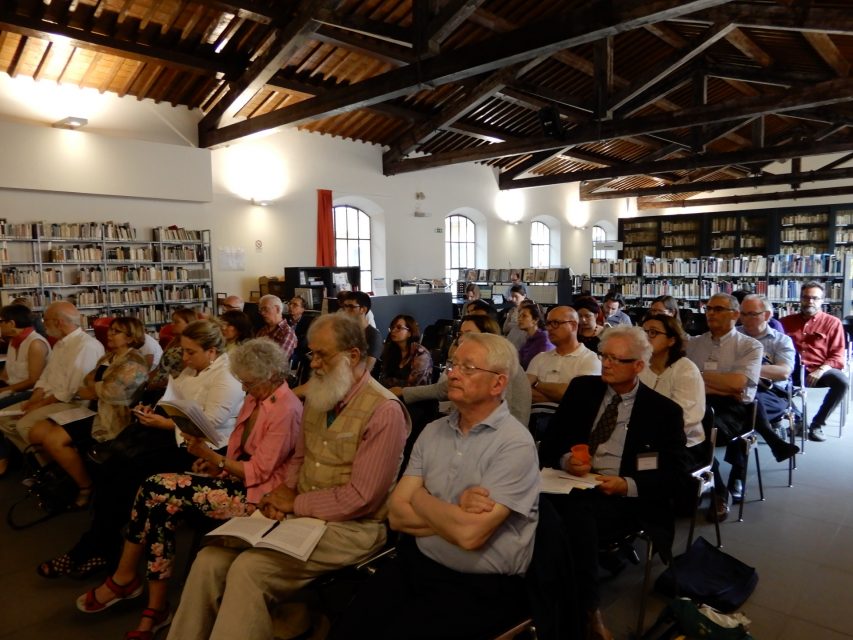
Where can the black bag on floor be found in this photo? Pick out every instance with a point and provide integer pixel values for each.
(50, 491)
(708, 576)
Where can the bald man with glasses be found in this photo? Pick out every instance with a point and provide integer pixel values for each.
(730, 363)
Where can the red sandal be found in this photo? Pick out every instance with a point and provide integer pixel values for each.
(88, 603)
(160, 617)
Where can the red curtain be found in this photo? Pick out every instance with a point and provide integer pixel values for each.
(325, 229)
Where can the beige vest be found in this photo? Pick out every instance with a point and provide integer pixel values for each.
(330, 451)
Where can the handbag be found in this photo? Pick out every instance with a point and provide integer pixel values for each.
(134, 440)
(709, 576)
(683, 619)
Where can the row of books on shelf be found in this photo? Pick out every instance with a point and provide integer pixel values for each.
(92, 231)
(804, 234)
(506, 275)
(805, 218)
(793, 264)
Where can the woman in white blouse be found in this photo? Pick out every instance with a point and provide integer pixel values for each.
(671, 374)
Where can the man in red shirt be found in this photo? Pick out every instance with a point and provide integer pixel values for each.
(819, 338)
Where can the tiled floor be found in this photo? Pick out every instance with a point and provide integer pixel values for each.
(800, 540)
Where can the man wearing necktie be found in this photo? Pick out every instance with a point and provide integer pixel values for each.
(637, 447)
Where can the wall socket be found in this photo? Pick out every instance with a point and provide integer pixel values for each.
(439, 230)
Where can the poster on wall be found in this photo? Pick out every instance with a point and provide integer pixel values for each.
(232, 259)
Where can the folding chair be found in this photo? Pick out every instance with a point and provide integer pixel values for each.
(749, 440)
(704, 477)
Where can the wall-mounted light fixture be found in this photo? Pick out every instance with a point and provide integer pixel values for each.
(510, 205)
(261, 203)
(71, 122)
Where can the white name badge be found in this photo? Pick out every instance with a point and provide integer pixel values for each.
(647, 462)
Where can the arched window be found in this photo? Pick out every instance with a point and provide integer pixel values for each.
(540, 245)
(352, 242)
(599, 235)
(459, 246)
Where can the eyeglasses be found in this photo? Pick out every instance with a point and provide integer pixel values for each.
(752, 314)
(322, 357)
(811, 297)
(654, 333)
(350, 307)
(399, 327)
(717, 309)
(467, 369)
(611, 359)
(554, 324)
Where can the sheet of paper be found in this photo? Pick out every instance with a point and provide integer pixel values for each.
(556, 481)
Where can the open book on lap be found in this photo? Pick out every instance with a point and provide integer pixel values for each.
(296, 537)
(189, 417)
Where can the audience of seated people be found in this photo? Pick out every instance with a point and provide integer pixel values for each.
(74, 355)
(172, 361)
(347, 461)
(613, 305)
(299, 321)
(236, 328)
(636, 447)
(467, 499)
(730, 363)
(513, 333)
(259, 458)
(819, 338)
(405, 363)
(518, 390)
(206, 380)
(113, 384)
(471, 509)
(26, 358)
(358, 304)
(275, 326)
(589, 321)
(777, 362)
(675, 376)
(532, 323)
(550, 372)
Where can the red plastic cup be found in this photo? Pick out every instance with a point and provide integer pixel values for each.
(580, 452)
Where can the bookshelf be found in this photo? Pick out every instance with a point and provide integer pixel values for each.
(105, 269)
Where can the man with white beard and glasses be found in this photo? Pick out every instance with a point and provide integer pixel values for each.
(347, 461)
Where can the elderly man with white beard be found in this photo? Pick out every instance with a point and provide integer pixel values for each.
(352, 442)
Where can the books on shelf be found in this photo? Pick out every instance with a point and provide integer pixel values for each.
(297, 537)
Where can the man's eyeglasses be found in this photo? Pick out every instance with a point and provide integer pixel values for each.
(467, 369)
(811, 297)
(611, 359)
(322, 357)
(752, 314)
(350, 307)
(717, 309)
(554, 324)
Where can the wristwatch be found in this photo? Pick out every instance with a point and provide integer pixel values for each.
(221, 463)
(535, 384)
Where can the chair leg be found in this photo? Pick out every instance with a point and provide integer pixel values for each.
(758, 473)
(641, 617)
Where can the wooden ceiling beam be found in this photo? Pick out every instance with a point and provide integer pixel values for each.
(388, 52)
(827, 93)
(719, 185)
(603, 82)
(541, 38)
(790, 194)
(830, 54)
(779, 77)
(673, 62)
(299, 28)
(451, 16)
(373, 29)
(53, 32)
(747, 47)
(751, 16)
(472, 98)
(686, 164)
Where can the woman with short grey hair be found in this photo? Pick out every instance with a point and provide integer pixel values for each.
(259, 359)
